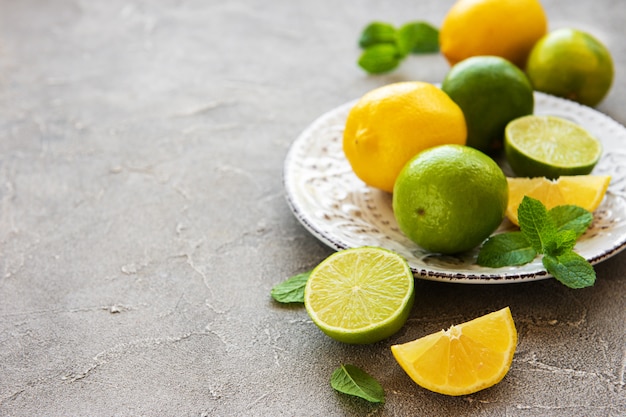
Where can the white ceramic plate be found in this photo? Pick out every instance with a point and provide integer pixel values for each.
(340, 210)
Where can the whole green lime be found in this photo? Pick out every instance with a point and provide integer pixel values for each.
(572, 64)
(491, 92)
(450, 198)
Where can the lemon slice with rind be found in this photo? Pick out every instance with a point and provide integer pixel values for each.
(586, 191)
(464, 359)
(360, 295)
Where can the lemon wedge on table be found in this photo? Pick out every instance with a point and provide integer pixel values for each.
(464, 359)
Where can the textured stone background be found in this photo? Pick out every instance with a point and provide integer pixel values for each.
(143, 220)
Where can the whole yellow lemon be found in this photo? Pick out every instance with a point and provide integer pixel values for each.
(505, 28)
(391, 124)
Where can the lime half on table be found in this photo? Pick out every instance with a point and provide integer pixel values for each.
(550, 146)
(360, 295)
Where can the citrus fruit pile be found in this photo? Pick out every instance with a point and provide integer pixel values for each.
(566, 62)
(433, 148)
(500, 52)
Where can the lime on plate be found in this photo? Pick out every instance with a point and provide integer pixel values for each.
(360, 295)
(448, 199)
(550, 146)
(491, 91)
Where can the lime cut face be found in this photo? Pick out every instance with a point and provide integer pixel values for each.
(360, 295)
(550, 146)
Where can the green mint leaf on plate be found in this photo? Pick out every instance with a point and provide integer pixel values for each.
(564, 241)
(291, 290)
(506, 249)
(418, 38)
(570, 217)
(571, 269)
(552, 233)
(380, 58)
(351, 380)
(376, 33)
(535, 224)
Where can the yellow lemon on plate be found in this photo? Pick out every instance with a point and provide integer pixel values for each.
(391, 124)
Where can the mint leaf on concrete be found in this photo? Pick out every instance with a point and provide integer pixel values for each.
(506, 249)
(291, 290)
(351, 380)
(571, 269)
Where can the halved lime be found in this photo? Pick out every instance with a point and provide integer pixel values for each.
(360, 295)
(550, 146)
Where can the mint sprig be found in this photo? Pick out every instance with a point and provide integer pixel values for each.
(551, 233)
(385, 46)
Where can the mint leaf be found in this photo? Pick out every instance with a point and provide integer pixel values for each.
(418, 38)
(570, 217)
(351, 380)
(571, 269)
(506, 249)
(535, 224)
(564, 241)
(380, 58)
(551, 233)
(291, 290)
(377, 32)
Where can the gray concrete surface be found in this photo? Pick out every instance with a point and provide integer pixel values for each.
(143, 220)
